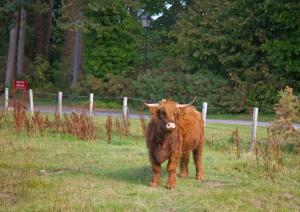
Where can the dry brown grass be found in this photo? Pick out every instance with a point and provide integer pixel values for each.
(19, 115)
(79, 125)
(118, 126)
(280, 132)
(126, 126)
(109, 128)
(122, 126)
(236, 140)
(143, 125)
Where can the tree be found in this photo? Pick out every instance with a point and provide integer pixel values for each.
(11, 58)
(110, 33)
(245, 41)
(21, 43)
(43, 11)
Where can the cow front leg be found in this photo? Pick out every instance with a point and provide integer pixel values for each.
(197, 153)
(171, 168)
(156, 167)
(184, 163)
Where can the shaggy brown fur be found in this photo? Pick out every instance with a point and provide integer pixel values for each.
(174, 144)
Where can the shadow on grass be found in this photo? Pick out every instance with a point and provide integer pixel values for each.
(133, 175)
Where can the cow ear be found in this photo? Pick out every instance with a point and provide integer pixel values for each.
(152, 107)
(153, 110)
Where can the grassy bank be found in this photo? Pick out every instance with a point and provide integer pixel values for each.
(59, 172)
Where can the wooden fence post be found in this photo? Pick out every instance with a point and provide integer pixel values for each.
(204, 112)
(91, 104)
(6, 100)
(254, 126)
(31, 102)
(60, 104)
(125, 108)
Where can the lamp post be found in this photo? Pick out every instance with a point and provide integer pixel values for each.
(145, 19)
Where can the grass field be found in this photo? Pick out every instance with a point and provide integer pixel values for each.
(60, 173)
(243, 116)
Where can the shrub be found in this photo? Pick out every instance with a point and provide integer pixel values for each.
(287, 110)
(184, 87)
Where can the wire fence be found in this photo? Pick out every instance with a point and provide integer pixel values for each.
(46, 102)
(135, 104)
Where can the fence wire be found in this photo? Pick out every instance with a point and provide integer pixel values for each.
(112, 105)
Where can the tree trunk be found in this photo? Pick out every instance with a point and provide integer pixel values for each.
(49, 27)
(11, 57)
(38, 32)
(21, 44)
(42, 30)
(73, 42)
(76, 61)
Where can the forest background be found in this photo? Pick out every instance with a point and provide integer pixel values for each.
(233, 54)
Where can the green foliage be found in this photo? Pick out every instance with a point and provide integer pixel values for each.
(234, 54)
(110, 33)
(283, 50)
(287, 111)
(39, 75)
(184, 87)
(252, 43)
(114, 86)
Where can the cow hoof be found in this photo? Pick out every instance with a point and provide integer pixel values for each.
(199, 177)
(171, 185)
(183, 175)
(152, 184)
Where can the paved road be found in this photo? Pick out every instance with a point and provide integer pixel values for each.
(47, 109)
(97, 112)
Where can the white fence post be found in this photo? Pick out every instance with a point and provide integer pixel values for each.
(125, 108)
(60, 104)
(204, 112)
(31, 102)
(254, 126)
(6, 99)
(91, 104)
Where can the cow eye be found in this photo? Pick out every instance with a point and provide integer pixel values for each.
(163, 113)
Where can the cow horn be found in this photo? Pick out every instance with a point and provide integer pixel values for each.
(151, 105)
(186, 105)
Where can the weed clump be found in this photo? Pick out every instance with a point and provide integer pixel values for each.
(79, 125)
(236, 142)
(143, 122)
(281, 131)
(109, 128)
(122, 126)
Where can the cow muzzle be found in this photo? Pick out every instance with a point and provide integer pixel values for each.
(170, 126)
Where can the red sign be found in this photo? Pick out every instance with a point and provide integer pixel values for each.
(20, 85)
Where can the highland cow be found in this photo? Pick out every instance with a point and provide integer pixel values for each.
(173, 132)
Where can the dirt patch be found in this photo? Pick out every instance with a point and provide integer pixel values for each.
(215, 183)
(8, 198)
(58, 171)
(256, 203)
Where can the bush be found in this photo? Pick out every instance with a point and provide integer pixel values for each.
(39, 74)
(287, 111)
(184, 87)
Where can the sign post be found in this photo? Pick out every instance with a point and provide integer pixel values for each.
(20, 85)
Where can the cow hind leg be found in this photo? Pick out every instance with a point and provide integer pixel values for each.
(184, 165)
(197, 153)
(156, 168)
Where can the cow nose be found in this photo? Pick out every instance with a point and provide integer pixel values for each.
(171, 125)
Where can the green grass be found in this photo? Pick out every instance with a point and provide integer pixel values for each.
(247, 117)
(59, 172)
